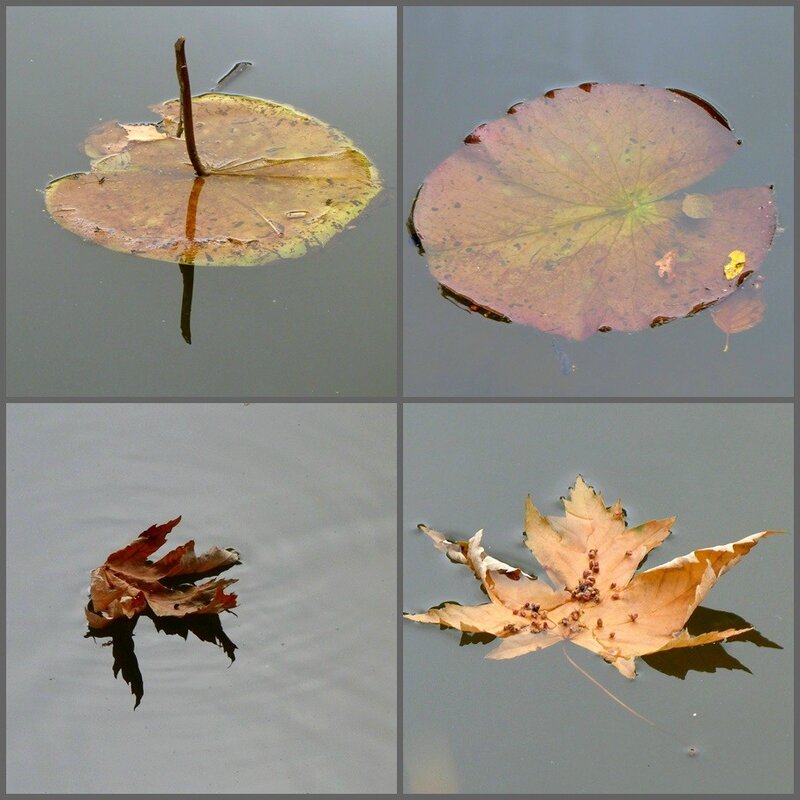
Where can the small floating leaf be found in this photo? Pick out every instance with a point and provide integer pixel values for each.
(128, 583)
(740, 312)
(129, 586)
(697, 206)
(558, 214)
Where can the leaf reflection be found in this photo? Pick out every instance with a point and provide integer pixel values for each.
(187, 273)
(206, 627)
(710, 657)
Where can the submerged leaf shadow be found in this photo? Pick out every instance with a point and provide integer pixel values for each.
(206, 627)
(474, 638)
(710, 657)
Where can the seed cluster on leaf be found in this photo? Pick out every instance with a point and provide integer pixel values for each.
(596, 601)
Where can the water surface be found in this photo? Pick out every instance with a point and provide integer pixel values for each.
(86, 321)
(534, 723)
(464, 66)
(307, 494)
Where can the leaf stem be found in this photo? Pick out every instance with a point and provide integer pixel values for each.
(690, 750)
(186, 107)
(603, 688)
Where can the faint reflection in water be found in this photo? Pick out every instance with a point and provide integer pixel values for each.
(565, 364)
(432, 766)
(206, 627)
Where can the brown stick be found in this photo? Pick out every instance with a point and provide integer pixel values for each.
(186, 107)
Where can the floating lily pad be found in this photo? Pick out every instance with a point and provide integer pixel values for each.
(277, 182)
(565, 213)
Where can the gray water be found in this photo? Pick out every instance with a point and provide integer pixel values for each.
(85, 321)
(464, 66)
(307, 494)
(535, 724)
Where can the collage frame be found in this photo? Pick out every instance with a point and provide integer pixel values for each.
(472, 436)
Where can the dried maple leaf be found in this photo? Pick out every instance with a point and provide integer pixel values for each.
(600, 605)
(128, 583)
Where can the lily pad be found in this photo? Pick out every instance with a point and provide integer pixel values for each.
(275, 183)
(565, 213)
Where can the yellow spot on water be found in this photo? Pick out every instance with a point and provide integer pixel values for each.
(735, 265)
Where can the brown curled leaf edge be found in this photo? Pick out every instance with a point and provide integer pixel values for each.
(596, 600)
(129, 583)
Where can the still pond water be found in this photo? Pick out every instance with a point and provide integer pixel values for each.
(307, 494)
(534, 723)
(86, 321)
(466, 66)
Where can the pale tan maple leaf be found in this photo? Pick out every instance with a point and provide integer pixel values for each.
(598, 602)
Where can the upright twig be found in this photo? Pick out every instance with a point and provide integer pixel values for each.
(186, 106)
